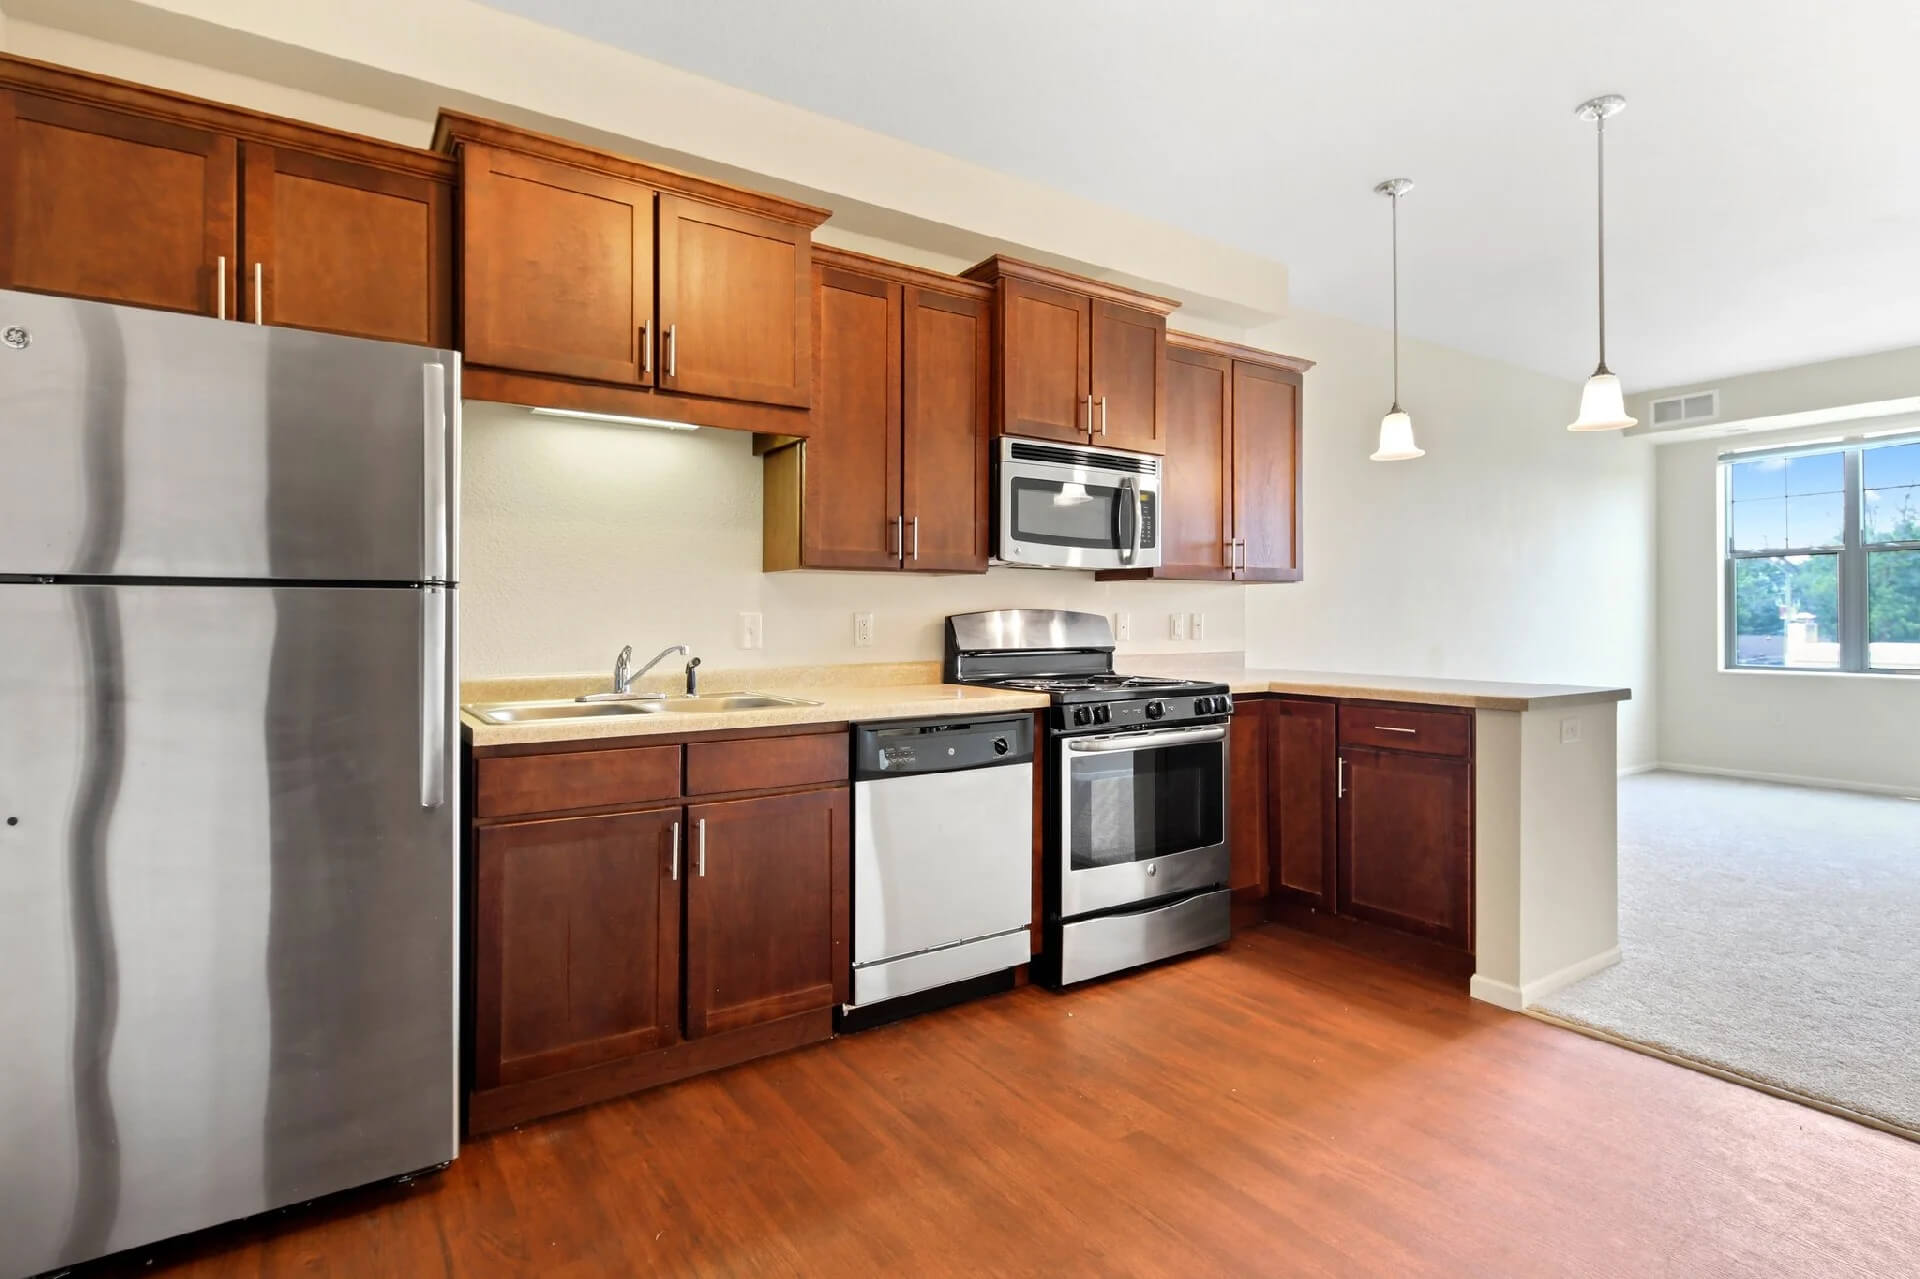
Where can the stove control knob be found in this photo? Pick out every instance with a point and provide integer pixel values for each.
(1156, 709)
(1203, 706)
(1101, 714)
(1223, 704)
(1081, 715)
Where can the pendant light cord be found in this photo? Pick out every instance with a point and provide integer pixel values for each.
(1396, 301)
(1600, 168)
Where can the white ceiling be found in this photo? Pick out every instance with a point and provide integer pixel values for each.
(1764, 182)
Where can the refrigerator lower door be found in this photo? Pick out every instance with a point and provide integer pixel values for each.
(227, 904)
(151, 444)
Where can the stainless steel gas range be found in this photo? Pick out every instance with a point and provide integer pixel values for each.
(1136, 814)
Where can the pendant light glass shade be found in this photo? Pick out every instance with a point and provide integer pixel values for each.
(1396, 428)
(1396, 439)
(1602, 407)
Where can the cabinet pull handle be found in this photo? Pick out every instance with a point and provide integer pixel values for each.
(646, 349)
(916, 537)
(673, 350)
(1103, 417)
(1388, 728)
(673, 871)
(898, 547)
(702, 824)
(259, 294)
(1341, 761)
(1089, 417)
(220, 290)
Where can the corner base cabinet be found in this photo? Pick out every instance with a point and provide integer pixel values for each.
(642, 913)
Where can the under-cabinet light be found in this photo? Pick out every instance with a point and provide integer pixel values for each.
(620, 419)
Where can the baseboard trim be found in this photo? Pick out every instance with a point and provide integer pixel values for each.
(1792, 779)
(1730, 1076)
(1634, 770)
(1519, 999)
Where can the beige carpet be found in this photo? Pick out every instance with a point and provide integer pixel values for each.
(1771, 933)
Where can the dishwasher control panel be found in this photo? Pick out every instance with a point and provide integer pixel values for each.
(904, 747)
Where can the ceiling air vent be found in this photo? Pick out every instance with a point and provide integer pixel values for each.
(1686, 410)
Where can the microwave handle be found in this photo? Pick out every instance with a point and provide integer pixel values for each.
(1116, 742)
(1127, 518)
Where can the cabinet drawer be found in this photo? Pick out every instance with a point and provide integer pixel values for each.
(1398, 728)
(764, 763)
(515, 784)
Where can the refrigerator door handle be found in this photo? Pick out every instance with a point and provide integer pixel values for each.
(433, 696)
(433, 488)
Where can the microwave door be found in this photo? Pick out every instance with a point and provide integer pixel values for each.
(1060, 518)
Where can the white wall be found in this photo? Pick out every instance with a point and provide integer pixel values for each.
(1835, 729)
(1513, 550)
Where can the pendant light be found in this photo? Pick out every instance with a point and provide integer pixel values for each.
(1602, 407)
(1396, 428)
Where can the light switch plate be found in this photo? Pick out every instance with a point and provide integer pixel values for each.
(1197, 626)
(752, 630)
(1122, 627)
(1176, 626)
(863, 630)
(1569, 730)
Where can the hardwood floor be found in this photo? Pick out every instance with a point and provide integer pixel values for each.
(1282, 1106)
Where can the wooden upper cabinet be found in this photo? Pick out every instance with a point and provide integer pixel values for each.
(346, 247)
(1044, 362)
(1129, 377)
(946, 472)
(1266, 472)
(1196, 479)
(1063, 342)
(895, 473)
(576, 943)
(1302, 800)
(767, 909)
(733, 303)
(115, 206)
(557, 268)
(1406, 842)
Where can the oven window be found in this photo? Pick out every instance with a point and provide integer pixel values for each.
(1063, 513)
(1138, 805)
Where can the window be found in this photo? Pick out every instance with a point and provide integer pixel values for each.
(1823, 557)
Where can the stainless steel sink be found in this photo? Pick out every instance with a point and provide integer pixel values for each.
(718, 703)
(524, 712)
(732, 702)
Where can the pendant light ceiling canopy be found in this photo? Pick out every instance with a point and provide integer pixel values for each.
(1602, 406)
(1396, 428)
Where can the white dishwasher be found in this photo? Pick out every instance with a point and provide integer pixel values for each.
(942, 860)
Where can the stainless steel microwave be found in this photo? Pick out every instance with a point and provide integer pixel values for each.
(1072, 506)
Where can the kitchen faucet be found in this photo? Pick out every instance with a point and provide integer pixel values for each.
(624, 674)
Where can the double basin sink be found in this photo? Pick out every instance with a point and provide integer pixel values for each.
(524, 712)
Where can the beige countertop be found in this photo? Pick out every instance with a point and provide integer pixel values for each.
(907, 690)
(1485, 695)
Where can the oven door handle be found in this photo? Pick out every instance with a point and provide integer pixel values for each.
(1149, 741)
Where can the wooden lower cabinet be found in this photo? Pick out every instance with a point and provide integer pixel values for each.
(1406, 842)
(577, 944)
(767, 908)
(1247, 799)
(1302, 808)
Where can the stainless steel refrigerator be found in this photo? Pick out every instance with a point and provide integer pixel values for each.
(228, 807)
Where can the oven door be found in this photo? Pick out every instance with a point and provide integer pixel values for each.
(1143, 816)
(1064, 516)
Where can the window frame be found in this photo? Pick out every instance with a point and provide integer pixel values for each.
(1851, 556)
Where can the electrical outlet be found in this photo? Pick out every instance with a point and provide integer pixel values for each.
(1569, 731)
(752, 631)
(1122, 627)
(1176, 626)
(1197, 627)
(863, 630)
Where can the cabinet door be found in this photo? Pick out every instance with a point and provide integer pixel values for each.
(576, 943)
(766, 909)
(1247, 799)
(1045, 341)
(556, 269)
(116, 208)
(734, 303)
(1406, 843)
(1129, 377)
(1266, 472)
(1302, 810)
(945, 431)
(345, 248)
(850, 509)
(1196, 481)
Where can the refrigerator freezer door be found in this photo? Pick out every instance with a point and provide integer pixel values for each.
(151, 444)
(226, 914)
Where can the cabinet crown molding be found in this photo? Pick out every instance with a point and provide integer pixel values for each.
(455, 128)
(999, 266)
(899, 272)
(1236, 351)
